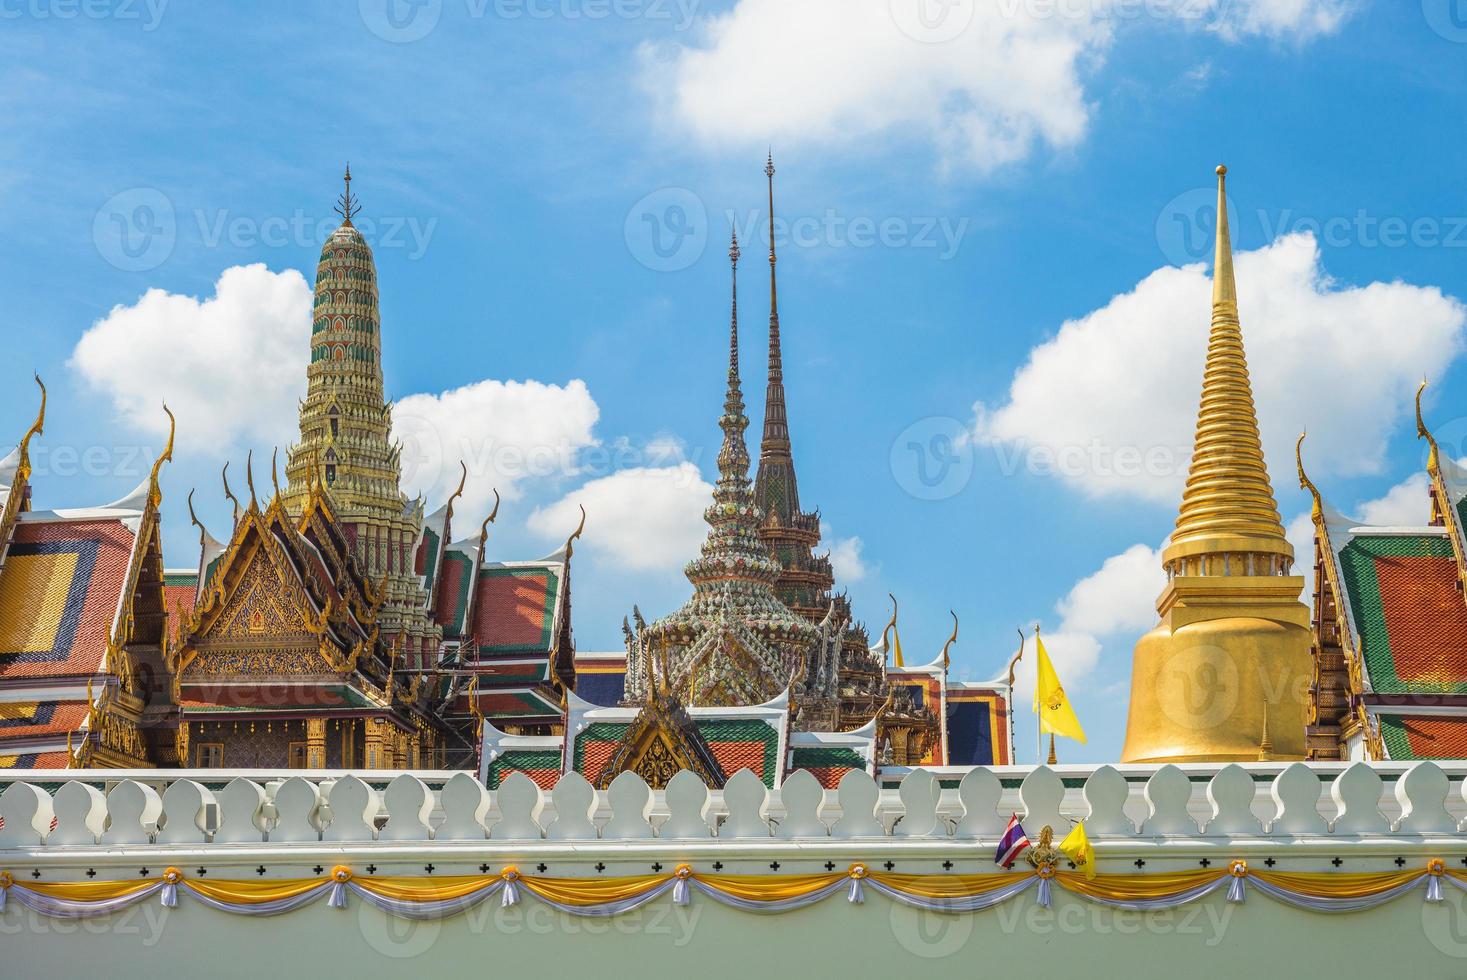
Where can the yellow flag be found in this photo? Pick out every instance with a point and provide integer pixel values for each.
(1077, 847)
(1050, 702)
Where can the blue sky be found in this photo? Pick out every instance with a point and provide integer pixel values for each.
(987, 220)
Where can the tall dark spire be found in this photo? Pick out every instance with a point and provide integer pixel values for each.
(775, 485)
(776, 441)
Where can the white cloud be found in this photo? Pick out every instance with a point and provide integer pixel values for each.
(841, 71)
(1407, 504)
(642, 519)
(984, 82)
(846, 559)
(1118, 597)
(1110, 402)
(231, 366)
(1299, 20)
(508, 434)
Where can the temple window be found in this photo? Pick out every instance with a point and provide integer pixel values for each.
(331, 474)
(296, 755)
(210, 755)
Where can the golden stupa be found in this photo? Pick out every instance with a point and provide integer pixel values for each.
(1225, 675)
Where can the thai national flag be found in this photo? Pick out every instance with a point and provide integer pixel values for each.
(1011, 844)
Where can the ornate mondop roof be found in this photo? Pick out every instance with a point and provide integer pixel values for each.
(1228, 505)
(734, 641)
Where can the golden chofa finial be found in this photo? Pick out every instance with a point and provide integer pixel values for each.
(154, 491)
(950, 640)
(346, 205)
(484, 528)
(570, 542)
(1317, 508)
(1433, 457)
(250, 475)
(229, 494)
(462, 482)
(1014, 663)
(34, 430)
(274, 472)
(194, 518)
(891, 624)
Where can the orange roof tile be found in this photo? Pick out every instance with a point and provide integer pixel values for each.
(59, 590)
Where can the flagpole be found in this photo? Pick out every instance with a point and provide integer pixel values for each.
(1038, 715)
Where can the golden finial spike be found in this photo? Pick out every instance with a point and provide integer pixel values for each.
(194, 518)
(1014, 663)
(1228, 506)
(154, 491)
(571, 541)
(274, 472)
(1224, 287)
(250, 475)
(484, 528)
(462, 482)
(1317, 509)
(1265, 742)
(950, 640)
(229, 494)
(1433, 457)
(40, 421)
(891, 625)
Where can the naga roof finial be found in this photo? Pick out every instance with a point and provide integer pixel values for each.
(463, 481)
(155, 493)
(229, 494)
(274, 472)
(346, 205)
(570, 542)
(1014, 663)
(194, 518)
(1317, 508)
(484, 528)
(950, 640)
(1433, 458)
(34, 430)
(250, 475)
(887, 630)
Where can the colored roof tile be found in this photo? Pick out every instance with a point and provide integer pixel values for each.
(30, 718)
(542, 766)
(1408, 612)
(59, 590)
(515, 609)
(1424, 736)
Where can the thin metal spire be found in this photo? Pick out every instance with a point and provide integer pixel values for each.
(776, 440)
(346, 205)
